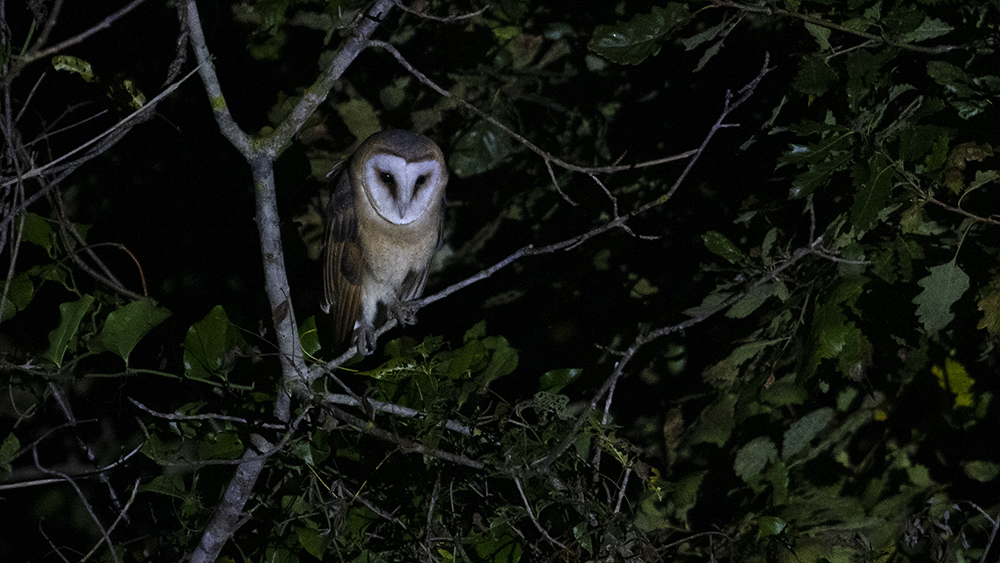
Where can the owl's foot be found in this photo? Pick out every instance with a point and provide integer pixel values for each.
(404, 312)
(364, 339)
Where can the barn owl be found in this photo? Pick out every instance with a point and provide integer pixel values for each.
(383, 224)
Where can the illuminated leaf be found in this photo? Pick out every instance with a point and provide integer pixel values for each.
(942, 288)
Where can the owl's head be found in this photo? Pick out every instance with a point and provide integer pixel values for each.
(402, 174)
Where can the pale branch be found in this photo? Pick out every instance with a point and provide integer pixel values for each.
(316, 93)
(994, 220)
(209, 417)
(404, 444)
(81, 475)
(389, 408)
(227, 125)
(224, 522)
(121, 516)
(531, 516)
(443, 19)
(261, 154)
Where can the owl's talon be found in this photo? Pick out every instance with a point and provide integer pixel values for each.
(404, 312)
(364, 339)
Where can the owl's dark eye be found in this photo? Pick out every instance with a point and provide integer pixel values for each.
(421, 180)
(386, 178)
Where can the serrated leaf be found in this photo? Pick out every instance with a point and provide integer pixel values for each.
(928, 29)
(685, 494)
(833, 335)
(127, 325)
(725, 372)
(633, 41)
(753, 458)
(70, 316)
(942, 288)
(754, 298)
(820, 34)
(716, 423)
(815, 76)
(803, 430)
(704, 36)
(874, 186)
(717, 243)
(989, 304)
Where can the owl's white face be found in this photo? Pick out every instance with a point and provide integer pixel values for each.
(401, 191)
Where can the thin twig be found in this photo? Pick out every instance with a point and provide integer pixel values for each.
(531, 515)
(83, 499)
(548, 157)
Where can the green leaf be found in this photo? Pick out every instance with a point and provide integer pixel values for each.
(499, 547)
(717, 243)
(309, 337)
(803, 430)
(821, 34)
(815, 76)
(38, 231)
(955, 379)
(769, 526)
(360, 117)
(634, 41)
(210, 345)
(127, 325)
(75, 65)
(982, 471)
(754, 457)
(313, 541)
(715, 425)
(503, 361)
(928, 29)
(874, 185)
(481, 149)
(704, 36)
(754, 298)
(724, 373)
(942, 288)
(685, 494)
(19, 295)
(989, 304)
(220, 446)
(833, 335)
(554, 381)
(8, 450)
(71, 315)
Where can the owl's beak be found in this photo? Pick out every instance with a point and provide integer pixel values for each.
(401, 207)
